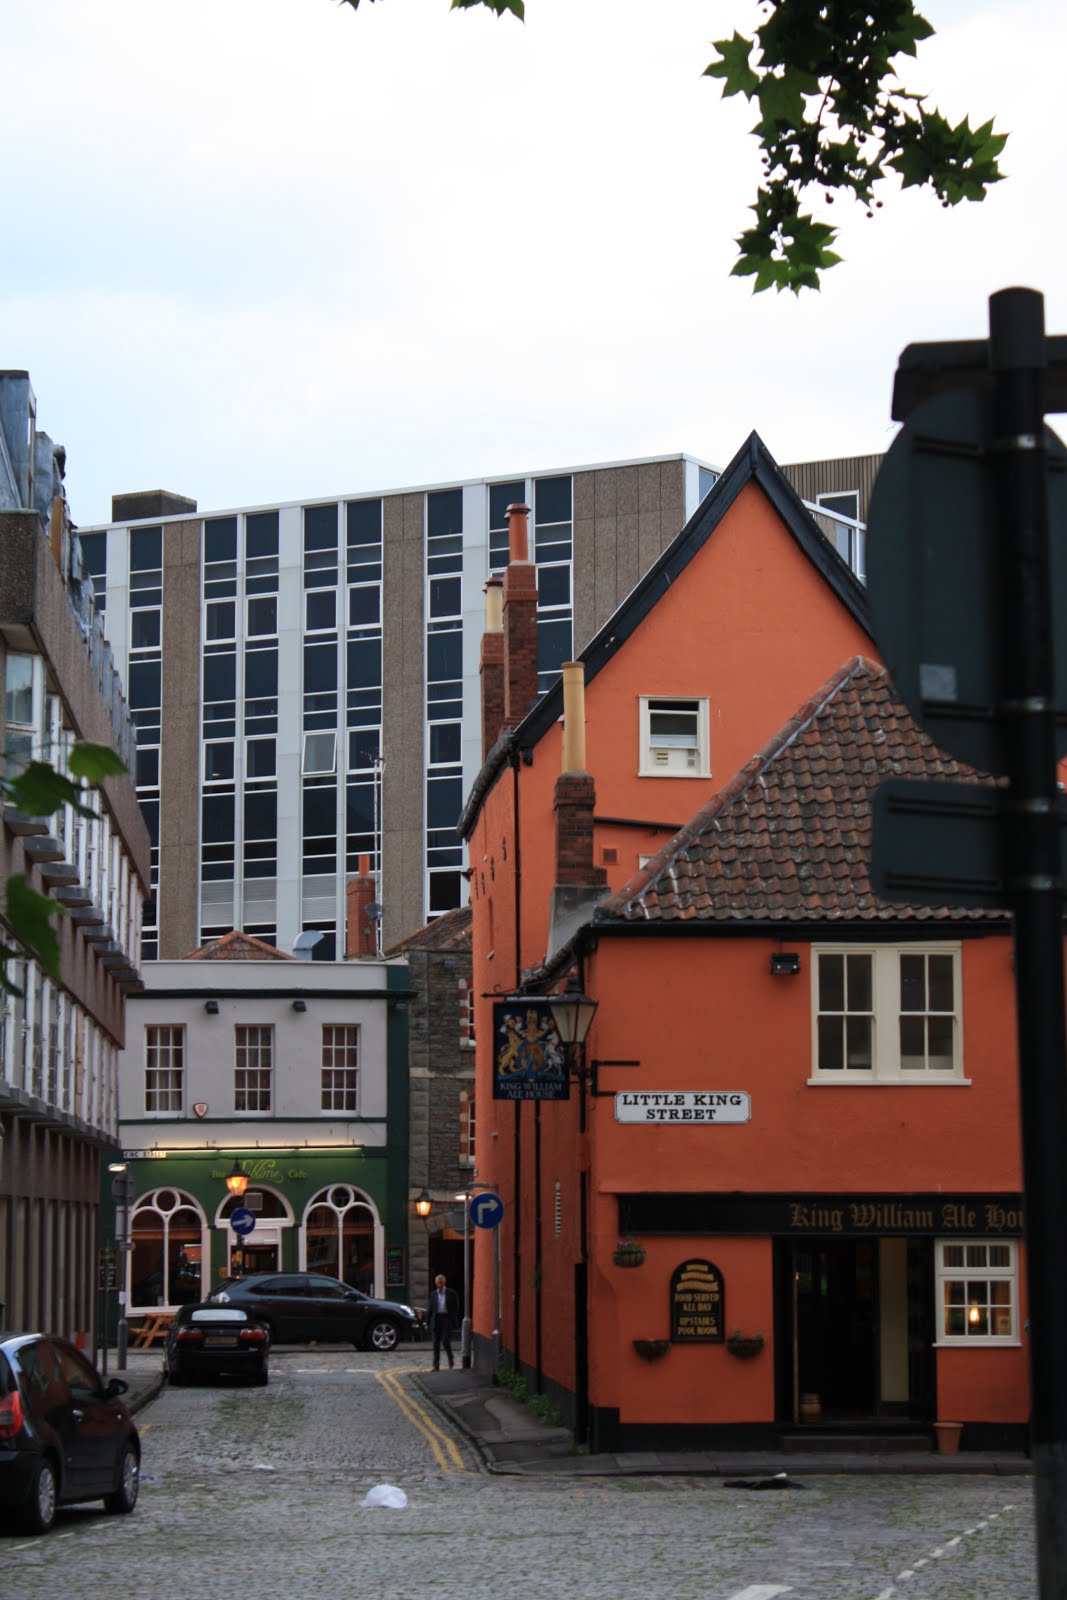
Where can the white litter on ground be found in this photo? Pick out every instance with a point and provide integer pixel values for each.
(387, 1495)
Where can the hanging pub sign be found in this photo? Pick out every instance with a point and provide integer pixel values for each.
(696, 1303)
(528, 1061)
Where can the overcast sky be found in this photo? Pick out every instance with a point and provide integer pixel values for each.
(277, 248)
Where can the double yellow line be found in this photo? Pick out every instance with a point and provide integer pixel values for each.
(445, 1449)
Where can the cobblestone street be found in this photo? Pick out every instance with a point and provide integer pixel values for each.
(258, 1491)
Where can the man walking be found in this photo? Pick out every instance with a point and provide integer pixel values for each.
(442, 1310)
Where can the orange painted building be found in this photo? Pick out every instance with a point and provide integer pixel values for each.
(796, 1108)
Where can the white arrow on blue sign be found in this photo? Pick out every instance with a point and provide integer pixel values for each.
(487, 1210)
(242, 1220)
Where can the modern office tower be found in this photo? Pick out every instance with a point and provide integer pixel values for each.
(304, 681)
(61, 1030)
(304, 677)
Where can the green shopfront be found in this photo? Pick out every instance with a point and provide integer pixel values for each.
(339, 1211)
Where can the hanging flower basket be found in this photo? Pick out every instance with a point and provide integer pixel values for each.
(745, 1345)
(651, 1349)
(628, 1253)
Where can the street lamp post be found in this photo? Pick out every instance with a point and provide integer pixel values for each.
(573, 1012)
(122, 1193)
(237, 1183)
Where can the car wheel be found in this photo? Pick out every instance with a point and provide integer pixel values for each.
(124, 1498)
(382, 1335)
(174, 1376)
(260, 1379)
(40, 1512)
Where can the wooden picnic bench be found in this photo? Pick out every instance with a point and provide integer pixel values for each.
(153, 1327)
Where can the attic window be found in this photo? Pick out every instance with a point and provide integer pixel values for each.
(674, 738)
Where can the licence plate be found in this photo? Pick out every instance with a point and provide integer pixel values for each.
(220, 1341)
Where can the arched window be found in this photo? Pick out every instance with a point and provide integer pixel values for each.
(169, 1234)
(339, 1235)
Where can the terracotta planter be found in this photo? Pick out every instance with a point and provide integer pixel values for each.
(948, 1437)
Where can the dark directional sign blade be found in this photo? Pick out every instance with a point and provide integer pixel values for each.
(940, 844)
(933, 569)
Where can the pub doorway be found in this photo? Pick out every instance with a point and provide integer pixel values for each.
(855, 1327)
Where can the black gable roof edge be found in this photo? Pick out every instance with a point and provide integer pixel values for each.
(752, 463)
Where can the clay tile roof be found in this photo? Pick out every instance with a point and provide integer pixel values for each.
(789, 838)
(237, 947)
(451, 931)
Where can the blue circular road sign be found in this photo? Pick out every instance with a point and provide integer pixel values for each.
(487, 1210)
(242, 1221)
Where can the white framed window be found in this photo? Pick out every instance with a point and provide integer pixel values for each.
(674, 738)
(886, 1013)
(320, 752)
(340, 1067)
(977, 1291)
(164, 1075)
(253, 1068)
(25, 731)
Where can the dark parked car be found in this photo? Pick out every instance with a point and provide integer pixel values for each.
(300, 1306)
(216, 1341)
(65, 1434)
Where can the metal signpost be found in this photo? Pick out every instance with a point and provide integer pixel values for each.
(967, 593)
(487, 1211)
(242, 1221)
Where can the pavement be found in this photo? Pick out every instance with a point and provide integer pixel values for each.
(511, 1440)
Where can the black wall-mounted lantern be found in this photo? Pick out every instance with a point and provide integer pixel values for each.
(785, 964)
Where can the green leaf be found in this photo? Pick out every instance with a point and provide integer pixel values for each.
(29, 915)
(516, 7)
(95, 762)
(40, 790)
(738, 77)
(782, 100)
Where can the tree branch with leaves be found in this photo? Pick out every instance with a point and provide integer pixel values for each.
(833, 116)
(40, 791)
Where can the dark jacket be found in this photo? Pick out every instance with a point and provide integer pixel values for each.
(451, 1306)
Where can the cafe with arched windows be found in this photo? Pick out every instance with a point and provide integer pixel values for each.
(183, 1243)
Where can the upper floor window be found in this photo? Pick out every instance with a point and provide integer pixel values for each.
(887, 1013)
(977, 1291)
(254, 1068)
(674, 738)
(164, 1076)
(340, 1067)
(24, 711)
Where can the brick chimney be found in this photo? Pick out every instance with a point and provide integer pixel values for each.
(520, 621)
(579, 884)
(361, 931)
(492, 665)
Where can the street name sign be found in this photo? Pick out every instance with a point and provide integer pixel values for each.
(683, 1106)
